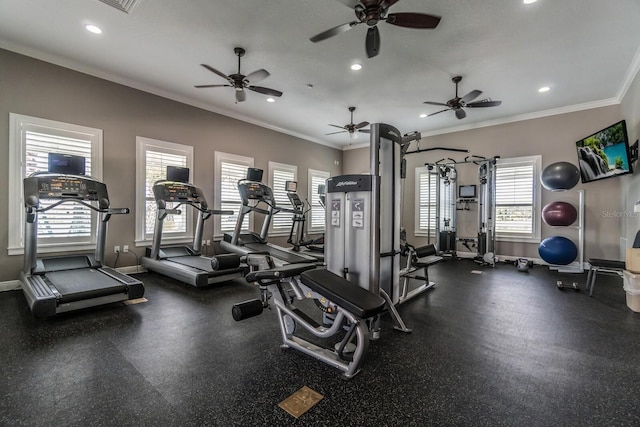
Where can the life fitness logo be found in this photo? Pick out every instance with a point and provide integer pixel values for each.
(343, 183)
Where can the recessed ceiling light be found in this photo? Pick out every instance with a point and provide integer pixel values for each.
(309, 85)
(93, 29)
(271, 100)
(544, 89)
(423, 115)
(356, 67)
(529, 1)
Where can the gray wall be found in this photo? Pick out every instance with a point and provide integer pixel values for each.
(552, 137)
(40, 89)
(631, 191)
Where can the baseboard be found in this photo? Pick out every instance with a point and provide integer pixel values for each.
(131, 269)
(9, 285)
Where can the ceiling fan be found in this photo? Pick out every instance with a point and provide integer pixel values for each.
(239, 81)
(351, 127)
(457, 104)
(371, 12)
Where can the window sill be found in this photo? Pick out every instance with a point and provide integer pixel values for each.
(54, 248)
(168, 241)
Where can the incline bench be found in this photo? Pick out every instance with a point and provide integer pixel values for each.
(350, 304)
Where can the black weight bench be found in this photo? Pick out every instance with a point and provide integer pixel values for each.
(352, 298)
(350, 304)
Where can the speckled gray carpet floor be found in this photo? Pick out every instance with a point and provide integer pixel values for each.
(497, 348)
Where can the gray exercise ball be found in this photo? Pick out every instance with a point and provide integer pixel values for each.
(560, 176)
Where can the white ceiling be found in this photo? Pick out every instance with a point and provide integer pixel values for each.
(586, 51)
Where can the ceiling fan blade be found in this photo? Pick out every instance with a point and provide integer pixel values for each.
(438, 112)
(241, 95)
(334, 31)
(361, 125)
(333, 133)
(460, 114)
(257, 75)
(336, 126)
(436, 103)
(413, 20)
(373, 41)
(484, 104)
(265, 90)
(213, 70)
(364, 130)
(471, 95)
(202, 86)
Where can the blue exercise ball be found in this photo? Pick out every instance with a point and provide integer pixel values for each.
(558, 250)
(560, 176)
(559, 214)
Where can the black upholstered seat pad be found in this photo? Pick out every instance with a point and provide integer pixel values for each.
(352, 298)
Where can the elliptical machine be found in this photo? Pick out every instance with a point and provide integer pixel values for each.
(298, 220)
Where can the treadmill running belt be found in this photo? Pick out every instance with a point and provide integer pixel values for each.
(198, 262)
(285, 256)
(85, 283)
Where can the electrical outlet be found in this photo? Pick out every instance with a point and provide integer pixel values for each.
(116, 249)
(203, 243)
(208, 242)
(125, 248)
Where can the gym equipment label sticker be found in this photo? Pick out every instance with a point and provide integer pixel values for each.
(357, 213)
(335, 212)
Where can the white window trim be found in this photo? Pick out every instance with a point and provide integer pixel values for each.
(220, 157)
(142, 145)
(17, 123)
(324, 175)
(273, 167)
(537, 199)
(419, 232)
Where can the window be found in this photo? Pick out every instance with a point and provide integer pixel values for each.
(518, 199)
(316, 216)
(426, 181)
(229, 169)
(69, 226)
(152, 159)
(279, 174)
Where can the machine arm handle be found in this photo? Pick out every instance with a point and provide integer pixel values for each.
(116, 211)
(219, 212)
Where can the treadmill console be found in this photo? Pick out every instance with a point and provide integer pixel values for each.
(172, 191)
(251, 190)
(56, 187)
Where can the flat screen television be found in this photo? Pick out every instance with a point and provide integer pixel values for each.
(177, 174)
(604, 154)
(66, 164)
(467, 191)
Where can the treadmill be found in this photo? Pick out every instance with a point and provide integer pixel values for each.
(254, 193)
(60, 284)
(185, 263)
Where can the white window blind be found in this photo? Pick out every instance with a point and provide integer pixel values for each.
(279, 174)
(515, 197)
(316, 216)
(69, 226)
(425, 201)
(156, 169)
(229, 169)
(152, 158)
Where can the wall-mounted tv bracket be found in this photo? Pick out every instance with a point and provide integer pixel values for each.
(633, 152)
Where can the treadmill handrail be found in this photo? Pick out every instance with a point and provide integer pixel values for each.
(110, 211)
